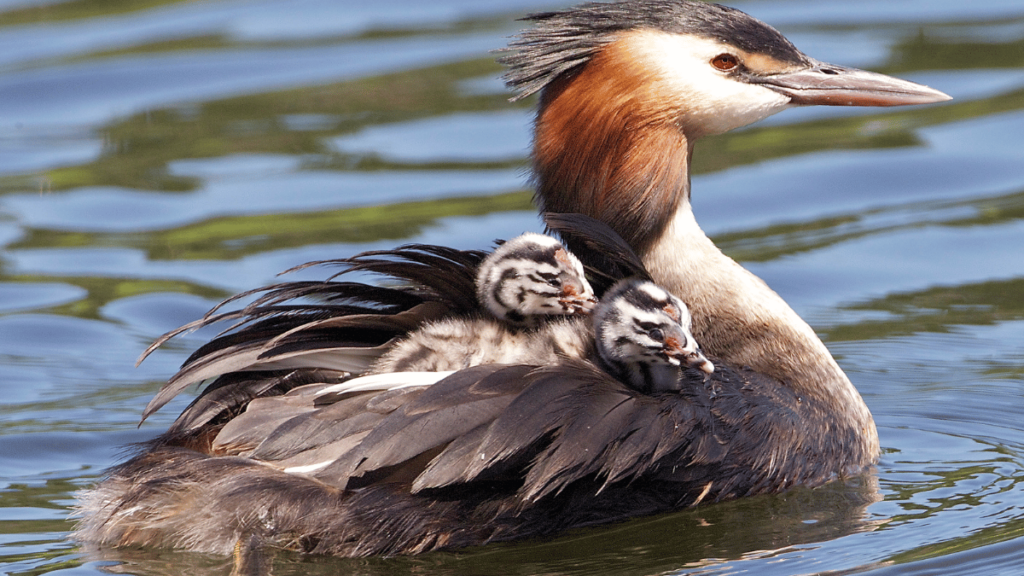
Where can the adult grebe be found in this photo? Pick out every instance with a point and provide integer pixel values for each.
(501, 452)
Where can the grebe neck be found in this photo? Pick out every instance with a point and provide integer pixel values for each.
(622, 155)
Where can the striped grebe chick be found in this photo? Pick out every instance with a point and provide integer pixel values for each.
(643, 336)
(524, 287)
(531, 286)
(532, 277)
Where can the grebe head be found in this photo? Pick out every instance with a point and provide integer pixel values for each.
(643, 336)
(532, 277)
(628, 87)
(716, 67)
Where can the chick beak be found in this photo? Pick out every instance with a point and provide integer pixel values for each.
(828, 85)
(577, 299)
(682, 350)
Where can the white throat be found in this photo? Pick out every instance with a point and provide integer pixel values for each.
(736, 316)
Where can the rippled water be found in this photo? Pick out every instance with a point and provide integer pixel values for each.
(157, 156)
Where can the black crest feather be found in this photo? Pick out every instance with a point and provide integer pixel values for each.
(564, 40)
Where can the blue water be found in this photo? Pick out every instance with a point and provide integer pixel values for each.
(158, 156)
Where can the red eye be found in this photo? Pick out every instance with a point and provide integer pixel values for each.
(725, 62)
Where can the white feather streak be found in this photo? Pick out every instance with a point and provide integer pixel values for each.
(388, 381)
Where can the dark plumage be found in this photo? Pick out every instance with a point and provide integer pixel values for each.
(336, 326)
(501, 452)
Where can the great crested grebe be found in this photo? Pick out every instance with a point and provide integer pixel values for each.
(498, 452)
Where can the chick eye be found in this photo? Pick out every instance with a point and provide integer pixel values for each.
(725, 62)
(657, 335)
(551, 280)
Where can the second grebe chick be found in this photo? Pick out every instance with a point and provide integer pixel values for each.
(643, 336)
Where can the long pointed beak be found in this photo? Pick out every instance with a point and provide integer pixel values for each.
(829, 85)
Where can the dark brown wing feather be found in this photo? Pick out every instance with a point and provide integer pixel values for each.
(343, 326)
(606, 256)
(595, 421)
(492, 453)
(527, 424)
(444, 412)
(322, 322)
(225, 397)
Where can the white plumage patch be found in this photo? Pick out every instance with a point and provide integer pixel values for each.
(710, 100)
(388, 381)
(309, 468)
(534, 238)
(655, 291)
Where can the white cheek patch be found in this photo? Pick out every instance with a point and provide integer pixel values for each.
(713, 101)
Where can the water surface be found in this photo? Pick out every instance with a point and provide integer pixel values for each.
(158, 155)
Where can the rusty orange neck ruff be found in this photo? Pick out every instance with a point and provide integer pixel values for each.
(609, 148)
